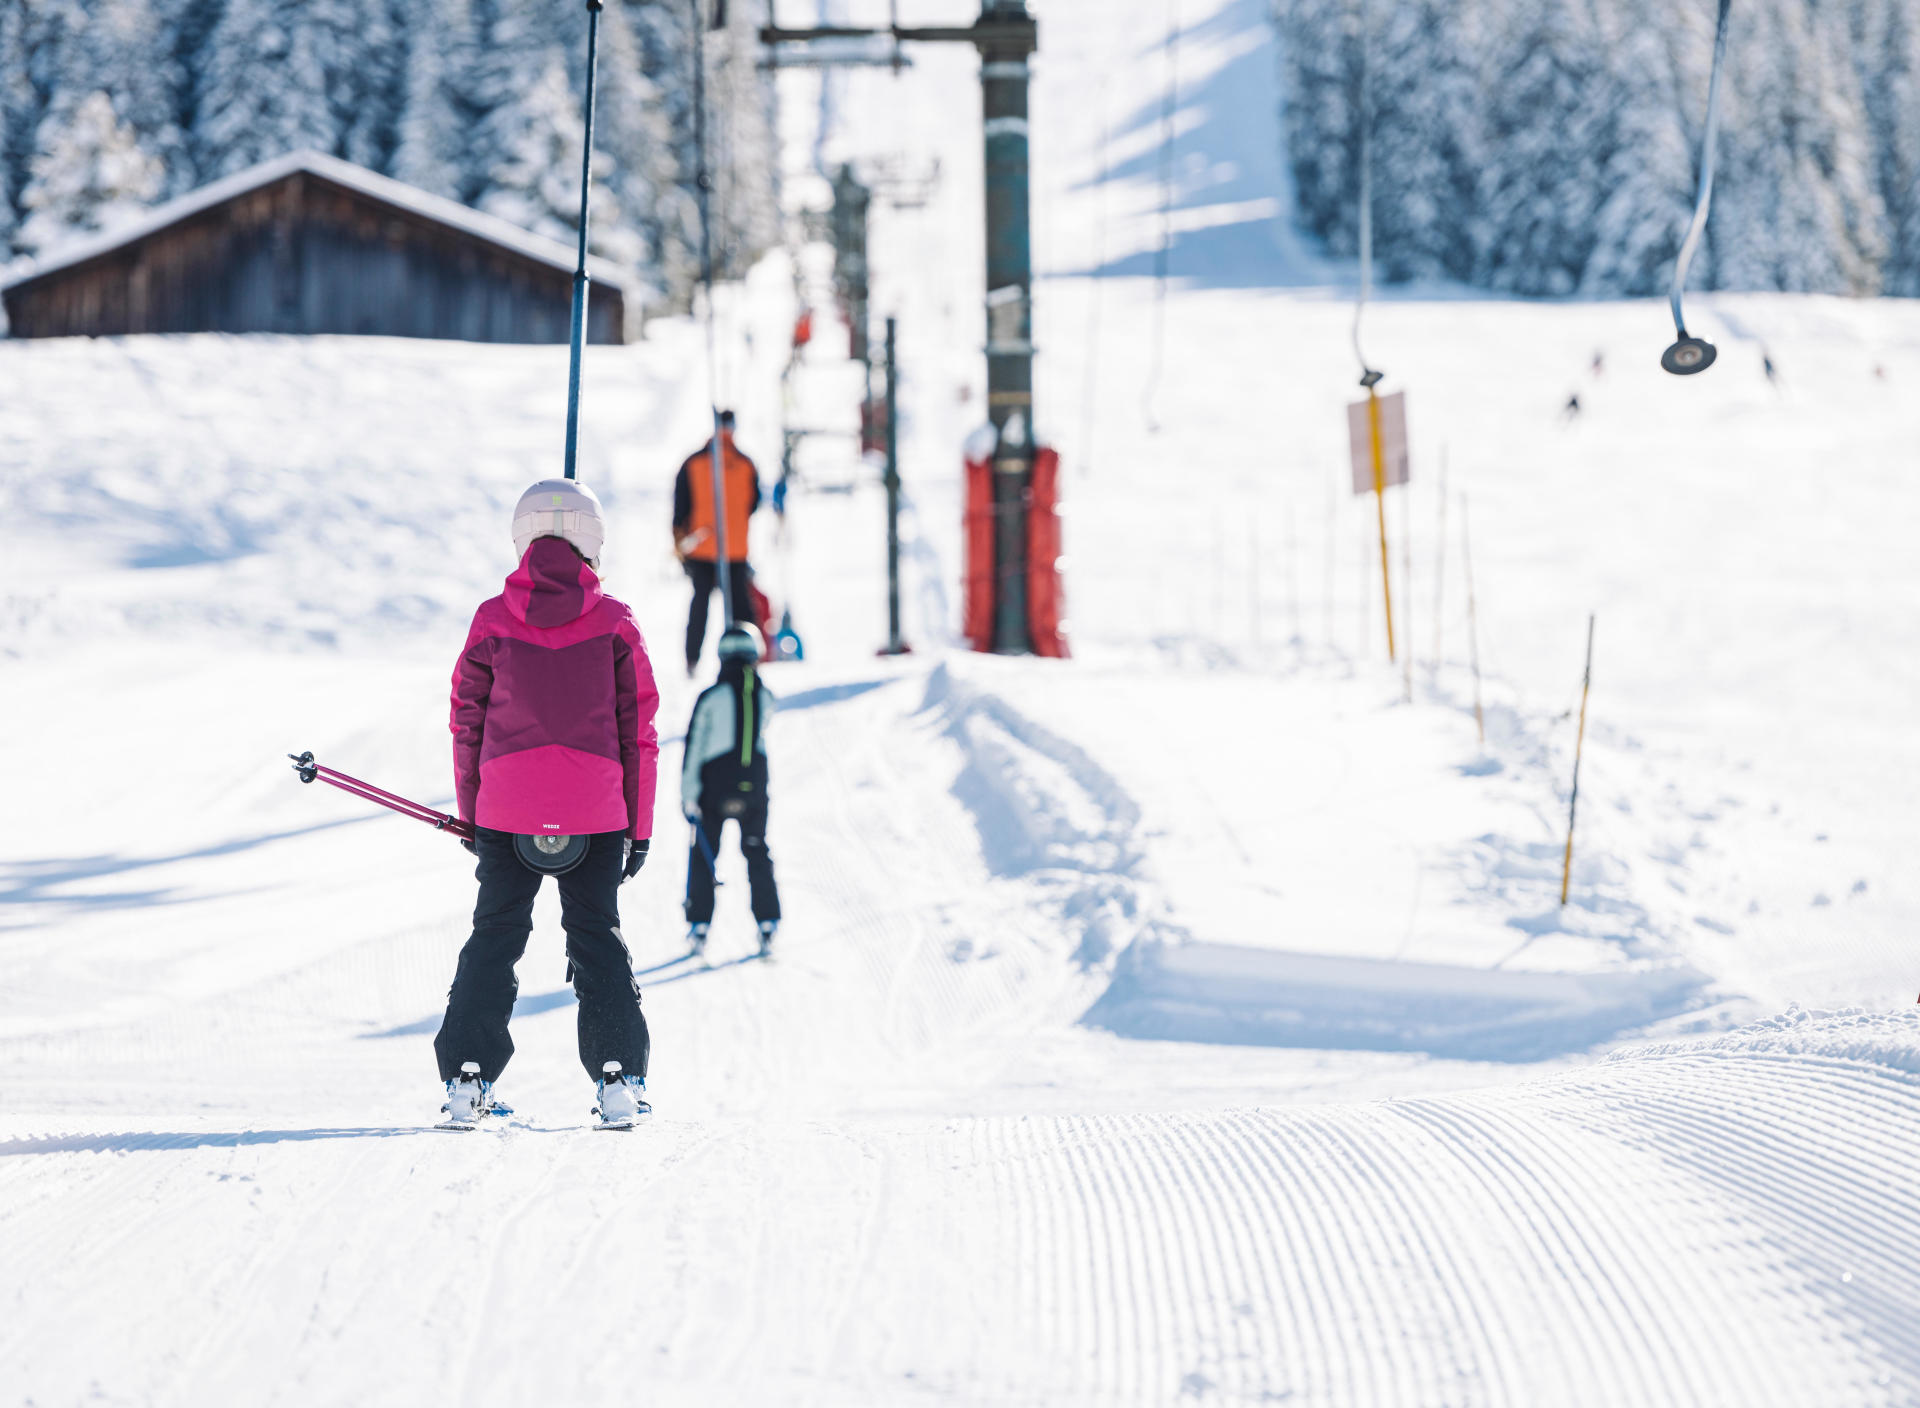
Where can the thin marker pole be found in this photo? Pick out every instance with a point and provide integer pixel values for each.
(1473, 621)
(895, 645)
(1380, 505)
(1439, 558)
(1366, 600)
(1253, 580)
(578, 334)
(1331, 564)
(1579, 743)
(1293, 573)
(1406, 579)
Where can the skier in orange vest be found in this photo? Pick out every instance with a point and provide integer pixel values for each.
(695, 540)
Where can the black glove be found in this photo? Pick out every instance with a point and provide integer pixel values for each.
(636, 857)
(472, 844)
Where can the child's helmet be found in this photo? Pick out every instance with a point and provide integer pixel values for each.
(741, 643)
(559, 508)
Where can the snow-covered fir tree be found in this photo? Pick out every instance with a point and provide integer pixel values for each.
(269, 80)
(1550, 146)
(539, 142)
(89, 175)
(471, 99)
(432, 122)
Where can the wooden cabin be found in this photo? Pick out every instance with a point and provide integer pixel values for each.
(307, 243)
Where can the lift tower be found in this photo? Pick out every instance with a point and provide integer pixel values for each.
(1006, 35)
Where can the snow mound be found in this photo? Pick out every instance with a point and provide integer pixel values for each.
(1888, 1039)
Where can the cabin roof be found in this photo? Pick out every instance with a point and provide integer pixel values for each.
(371, 184)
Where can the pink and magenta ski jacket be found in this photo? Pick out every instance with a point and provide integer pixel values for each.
(553, 706)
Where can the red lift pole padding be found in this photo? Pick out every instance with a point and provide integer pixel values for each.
(1046, 595)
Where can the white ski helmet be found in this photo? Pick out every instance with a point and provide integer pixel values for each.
(559, 508)
(741, 643)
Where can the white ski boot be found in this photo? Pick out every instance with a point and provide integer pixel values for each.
(621, 1100)
(768, 927)
(697, 937)
(469, 1100)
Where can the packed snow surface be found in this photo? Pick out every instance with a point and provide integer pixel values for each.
(1196, 1019)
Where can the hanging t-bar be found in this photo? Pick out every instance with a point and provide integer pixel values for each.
(1690, 354)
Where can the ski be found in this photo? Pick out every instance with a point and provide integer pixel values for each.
(470, 1100)
(621, 1101)
(501, 1111)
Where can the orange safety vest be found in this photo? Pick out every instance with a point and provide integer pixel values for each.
(739, 479)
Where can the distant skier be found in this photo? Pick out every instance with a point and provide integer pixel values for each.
(724, 775)
(695, 529)
(553, 740)
(1571, 411)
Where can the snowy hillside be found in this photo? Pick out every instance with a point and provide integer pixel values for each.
(1194, 1019)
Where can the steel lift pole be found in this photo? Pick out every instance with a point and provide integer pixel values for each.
(1007, 35)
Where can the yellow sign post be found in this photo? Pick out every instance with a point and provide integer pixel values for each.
(1377, 433)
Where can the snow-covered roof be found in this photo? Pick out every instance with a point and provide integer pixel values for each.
(342, 173)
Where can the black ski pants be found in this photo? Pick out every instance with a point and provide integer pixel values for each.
(705, 580)
(752, 817)
(598, 964)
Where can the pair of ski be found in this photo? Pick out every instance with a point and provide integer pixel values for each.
(630, 1122)
(620, 1100)
(697, 941)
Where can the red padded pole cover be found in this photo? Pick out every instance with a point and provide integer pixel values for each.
(1046, 595)
(976, 584)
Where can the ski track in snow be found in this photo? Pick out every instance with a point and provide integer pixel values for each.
(1719, 1222)
(1471, 1249)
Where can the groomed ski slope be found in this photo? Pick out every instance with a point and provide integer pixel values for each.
(1192, 1021)
(929, 1151)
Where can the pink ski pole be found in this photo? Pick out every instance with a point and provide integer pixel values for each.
(308, 769)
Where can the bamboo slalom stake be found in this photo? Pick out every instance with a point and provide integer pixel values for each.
(1406, 579)
(1293, 573)
(1439, 559)
(1579, 743)
(1365, 597)
(1473, 621)
(1380, 505)
(1253, 580)
(1331, 565)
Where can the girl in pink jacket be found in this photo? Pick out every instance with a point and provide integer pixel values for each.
(554, 756)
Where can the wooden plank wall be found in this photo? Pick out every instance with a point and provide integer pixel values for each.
(304, 255)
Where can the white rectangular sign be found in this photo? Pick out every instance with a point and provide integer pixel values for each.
(1393, 442)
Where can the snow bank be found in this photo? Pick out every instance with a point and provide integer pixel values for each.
(1228, 993)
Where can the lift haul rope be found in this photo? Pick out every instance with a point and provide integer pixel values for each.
(1369, 378)
(703, 182)
(1690, 354)
(1162, 254)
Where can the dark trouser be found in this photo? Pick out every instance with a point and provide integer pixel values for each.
(484, 987)
(752, 817)
(705, 580)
